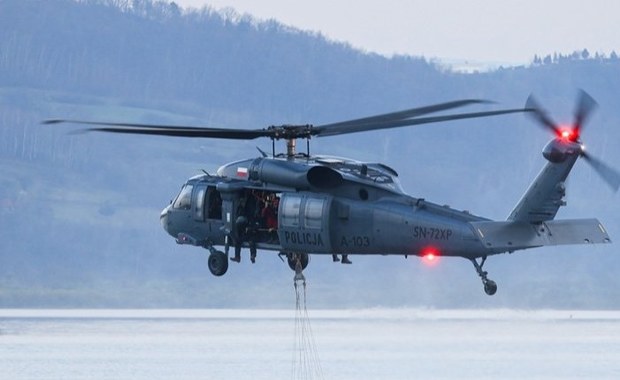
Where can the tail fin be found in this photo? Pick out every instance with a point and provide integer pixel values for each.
(545, 195)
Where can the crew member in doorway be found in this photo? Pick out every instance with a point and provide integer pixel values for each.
(251, 233)
(240, 225)
(345, 258)
(246, 225)
(246, 231)
(270, 217)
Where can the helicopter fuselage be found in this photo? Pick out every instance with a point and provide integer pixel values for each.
(297, 204)
(325, 206)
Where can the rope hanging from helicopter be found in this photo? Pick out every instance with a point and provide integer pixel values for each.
(306, 363)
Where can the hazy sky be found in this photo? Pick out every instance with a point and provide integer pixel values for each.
(503, 31)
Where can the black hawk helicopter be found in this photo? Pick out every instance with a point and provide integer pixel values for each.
(297, 204)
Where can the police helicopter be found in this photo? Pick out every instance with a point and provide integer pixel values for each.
(299, 204)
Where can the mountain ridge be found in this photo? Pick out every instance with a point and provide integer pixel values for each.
(79, 212)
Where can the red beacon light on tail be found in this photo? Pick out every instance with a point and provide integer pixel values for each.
(568, 134)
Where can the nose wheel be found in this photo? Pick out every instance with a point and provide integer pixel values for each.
(218, 263)
(490, 287)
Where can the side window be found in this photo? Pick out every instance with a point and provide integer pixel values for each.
(184, 200)
(313, 213)
(199, 203)
(291, 207)
(214, 209)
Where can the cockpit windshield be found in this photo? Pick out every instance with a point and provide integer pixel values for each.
(184, 199)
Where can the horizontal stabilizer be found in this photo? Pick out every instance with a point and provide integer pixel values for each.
(511, 235)
(576, 231)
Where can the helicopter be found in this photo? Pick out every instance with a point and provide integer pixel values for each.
(298, 204)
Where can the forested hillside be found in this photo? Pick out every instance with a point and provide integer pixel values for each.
(79, 213)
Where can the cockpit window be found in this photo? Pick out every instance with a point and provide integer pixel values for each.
(184, 200)
(199, 203)
(214, 208)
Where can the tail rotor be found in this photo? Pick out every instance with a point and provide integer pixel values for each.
(572, 133)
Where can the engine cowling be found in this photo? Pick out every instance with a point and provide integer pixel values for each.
(293, 174)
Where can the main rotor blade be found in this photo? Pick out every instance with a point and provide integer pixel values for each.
(389, 120)
(610, 175)
(168, 130)
(326, 130)
(585, 105)
(539, 115)
(406, 114)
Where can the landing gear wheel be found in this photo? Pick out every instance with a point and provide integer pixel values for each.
(218, 263)
(292, 258)
(490, 287)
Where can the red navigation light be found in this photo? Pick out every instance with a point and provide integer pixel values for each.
(430, 256)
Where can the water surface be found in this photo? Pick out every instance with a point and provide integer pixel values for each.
(351, 344)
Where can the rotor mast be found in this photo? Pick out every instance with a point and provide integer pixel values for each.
(291, 133)
(291, 147)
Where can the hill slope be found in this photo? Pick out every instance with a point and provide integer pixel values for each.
(79, 213)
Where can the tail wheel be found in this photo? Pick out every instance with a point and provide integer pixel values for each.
(490, 287)
(218, 263)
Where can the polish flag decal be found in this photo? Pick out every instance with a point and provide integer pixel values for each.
(242, 172)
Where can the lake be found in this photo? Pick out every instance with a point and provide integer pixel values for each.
(349, 344)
